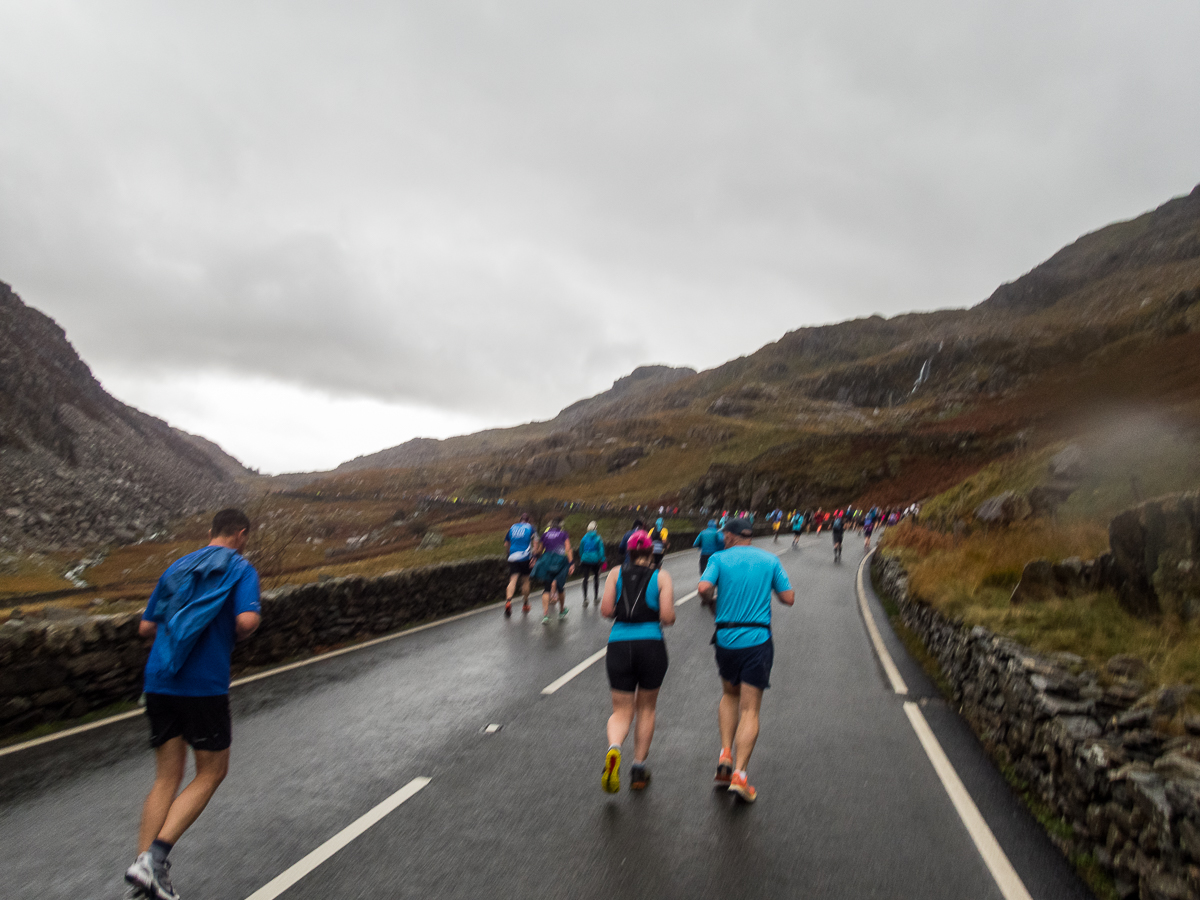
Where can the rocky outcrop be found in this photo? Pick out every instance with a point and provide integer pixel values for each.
(1156, 556)
(1153, 563)
(78, 466)
(1003, 509)
(1100, 755)
(1043, 579)
(51, 670)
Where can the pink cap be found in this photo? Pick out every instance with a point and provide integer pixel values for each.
(639, 540)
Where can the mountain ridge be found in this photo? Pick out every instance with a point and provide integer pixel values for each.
(1130, 284)
(77, 466)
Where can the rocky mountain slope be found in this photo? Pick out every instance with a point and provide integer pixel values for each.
(916, 389)
(77, 466)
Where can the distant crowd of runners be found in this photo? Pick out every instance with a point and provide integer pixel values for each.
(549, 558)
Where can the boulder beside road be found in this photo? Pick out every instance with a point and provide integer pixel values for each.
(1156, 556)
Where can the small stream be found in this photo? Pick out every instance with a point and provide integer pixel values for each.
(75, 573)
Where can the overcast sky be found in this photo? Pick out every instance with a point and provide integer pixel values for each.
(310, 231)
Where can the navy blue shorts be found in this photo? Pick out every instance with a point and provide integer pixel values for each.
(751, 665)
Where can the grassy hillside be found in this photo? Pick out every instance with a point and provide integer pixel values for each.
(953, 405)
(969, 571)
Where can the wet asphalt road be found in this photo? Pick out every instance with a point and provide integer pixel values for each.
(849, 804)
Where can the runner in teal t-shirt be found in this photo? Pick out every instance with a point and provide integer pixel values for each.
(710, 541)
(642, 600)
(738, 583)
(591, 560)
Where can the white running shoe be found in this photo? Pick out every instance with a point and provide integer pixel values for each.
(155, 884)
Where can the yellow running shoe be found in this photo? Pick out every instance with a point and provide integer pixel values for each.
(611, 780)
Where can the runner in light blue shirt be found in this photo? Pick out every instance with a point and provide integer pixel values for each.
(738, 584)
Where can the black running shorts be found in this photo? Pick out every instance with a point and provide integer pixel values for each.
(518, 567)
(749, 665)
(636, 664)
(203, 722)
(704, 557)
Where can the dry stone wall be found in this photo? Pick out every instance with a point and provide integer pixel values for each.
(52, 670)
(1098, 754)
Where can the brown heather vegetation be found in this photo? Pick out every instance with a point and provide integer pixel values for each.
(1100, 345)
(971, 576)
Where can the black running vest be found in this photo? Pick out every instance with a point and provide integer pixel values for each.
(631, 605)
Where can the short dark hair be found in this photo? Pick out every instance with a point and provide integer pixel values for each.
(229, 522)
(638, 523)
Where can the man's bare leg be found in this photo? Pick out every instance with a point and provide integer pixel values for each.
(727, 714)
(211, 768)
(525, 590)
(512, 588)
(170, 761)
(747, 726)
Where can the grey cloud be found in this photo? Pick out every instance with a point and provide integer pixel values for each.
(426, 201)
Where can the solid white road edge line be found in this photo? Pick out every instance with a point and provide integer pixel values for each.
(258, 676)
(885, 658)
(593, 659)
(290, 876)
(1005, 875)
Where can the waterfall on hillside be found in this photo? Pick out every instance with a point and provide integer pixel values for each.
(922, 376)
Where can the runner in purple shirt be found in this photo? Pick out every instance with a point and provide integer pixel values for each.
(552, 569)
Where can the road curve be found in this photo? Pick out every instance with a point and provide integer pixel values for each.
(850, 803)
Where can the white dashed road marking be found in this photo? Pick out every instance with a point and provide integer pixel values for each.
(347, 835)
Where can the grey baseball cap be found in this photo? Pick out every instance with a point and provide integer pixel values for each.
(741, 527)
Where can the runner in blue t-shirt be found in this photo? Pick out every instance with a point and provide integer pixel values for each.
(201, 605)
(641, 599)
(709, 541)
(518, 547)
(745, 577)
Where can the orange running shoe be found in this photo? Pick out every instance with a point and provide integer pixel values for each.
(739, 786)
(639, 777)
(724, 769)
